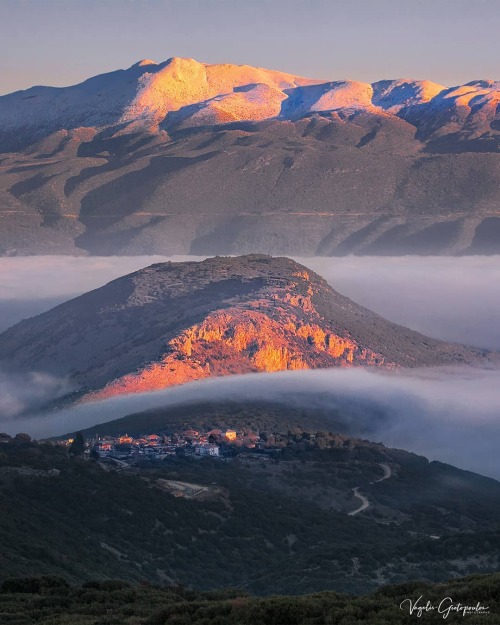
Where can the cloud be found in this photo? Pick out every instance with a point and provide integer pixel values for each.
(32, 277)
(447, 414)
(31, 285)
(21, 393)
(450, 298)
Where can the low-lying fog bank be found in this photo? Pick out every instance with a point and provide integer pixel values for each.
(446, 414)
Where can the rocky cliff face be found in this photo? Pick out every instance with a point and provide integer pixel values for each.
(182, 157)
(242, 339)
(176, 322)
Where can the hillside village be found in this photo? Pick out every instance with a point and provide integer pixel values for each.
(152, 447)
(219, 444)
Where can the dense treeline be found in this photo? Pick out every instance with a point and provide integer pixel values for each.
(52, 601)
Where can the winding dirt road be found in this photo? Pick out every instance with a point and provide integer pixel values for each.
(364, 500)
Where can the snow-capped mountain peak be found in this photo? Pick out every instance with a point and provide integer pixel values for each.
(185, 92)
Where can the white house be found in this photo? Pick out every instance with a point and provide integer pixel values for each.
(207, 450)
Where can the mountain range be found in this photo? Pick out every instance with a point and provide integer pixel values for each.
(183, 93)
(172, 323)
(186, 157)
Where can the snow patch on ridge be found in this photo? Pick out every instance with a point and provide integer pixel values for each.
(394, 95)
(144, 62)
(185, 92)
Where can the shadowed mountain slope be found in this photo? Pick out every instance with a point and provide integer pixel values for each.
(184, 157)
(172, 323)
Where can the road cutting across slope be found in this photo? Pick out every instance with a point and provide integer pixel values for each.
(364, 500)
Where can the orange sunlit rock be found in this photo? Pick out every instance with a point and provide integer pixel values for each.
(237, 341)
(172, 323)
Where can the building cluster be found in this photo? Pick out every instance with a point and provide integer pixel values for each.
(215, 443)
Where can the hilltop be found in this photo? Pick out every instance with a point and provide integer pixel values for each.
(172, 323)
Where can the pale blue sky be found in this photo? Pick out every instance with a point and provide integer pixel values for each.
(61, 42)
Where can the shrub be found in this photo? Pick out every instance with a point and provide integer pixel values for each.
(33, 585)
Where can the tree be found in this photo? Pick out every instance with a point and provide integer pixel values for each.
(77, 447)
(22, 437)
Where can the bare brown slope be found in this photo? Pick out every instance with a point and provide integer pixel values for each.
(317, 186)
(175, 322)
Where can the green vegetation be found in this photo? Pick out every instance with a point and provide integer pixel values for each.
(51, 601)
(251, 415)
(278, 526)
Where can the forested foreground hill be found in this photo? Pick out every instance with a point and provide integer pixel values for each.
(51, 601)
(282, 526)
